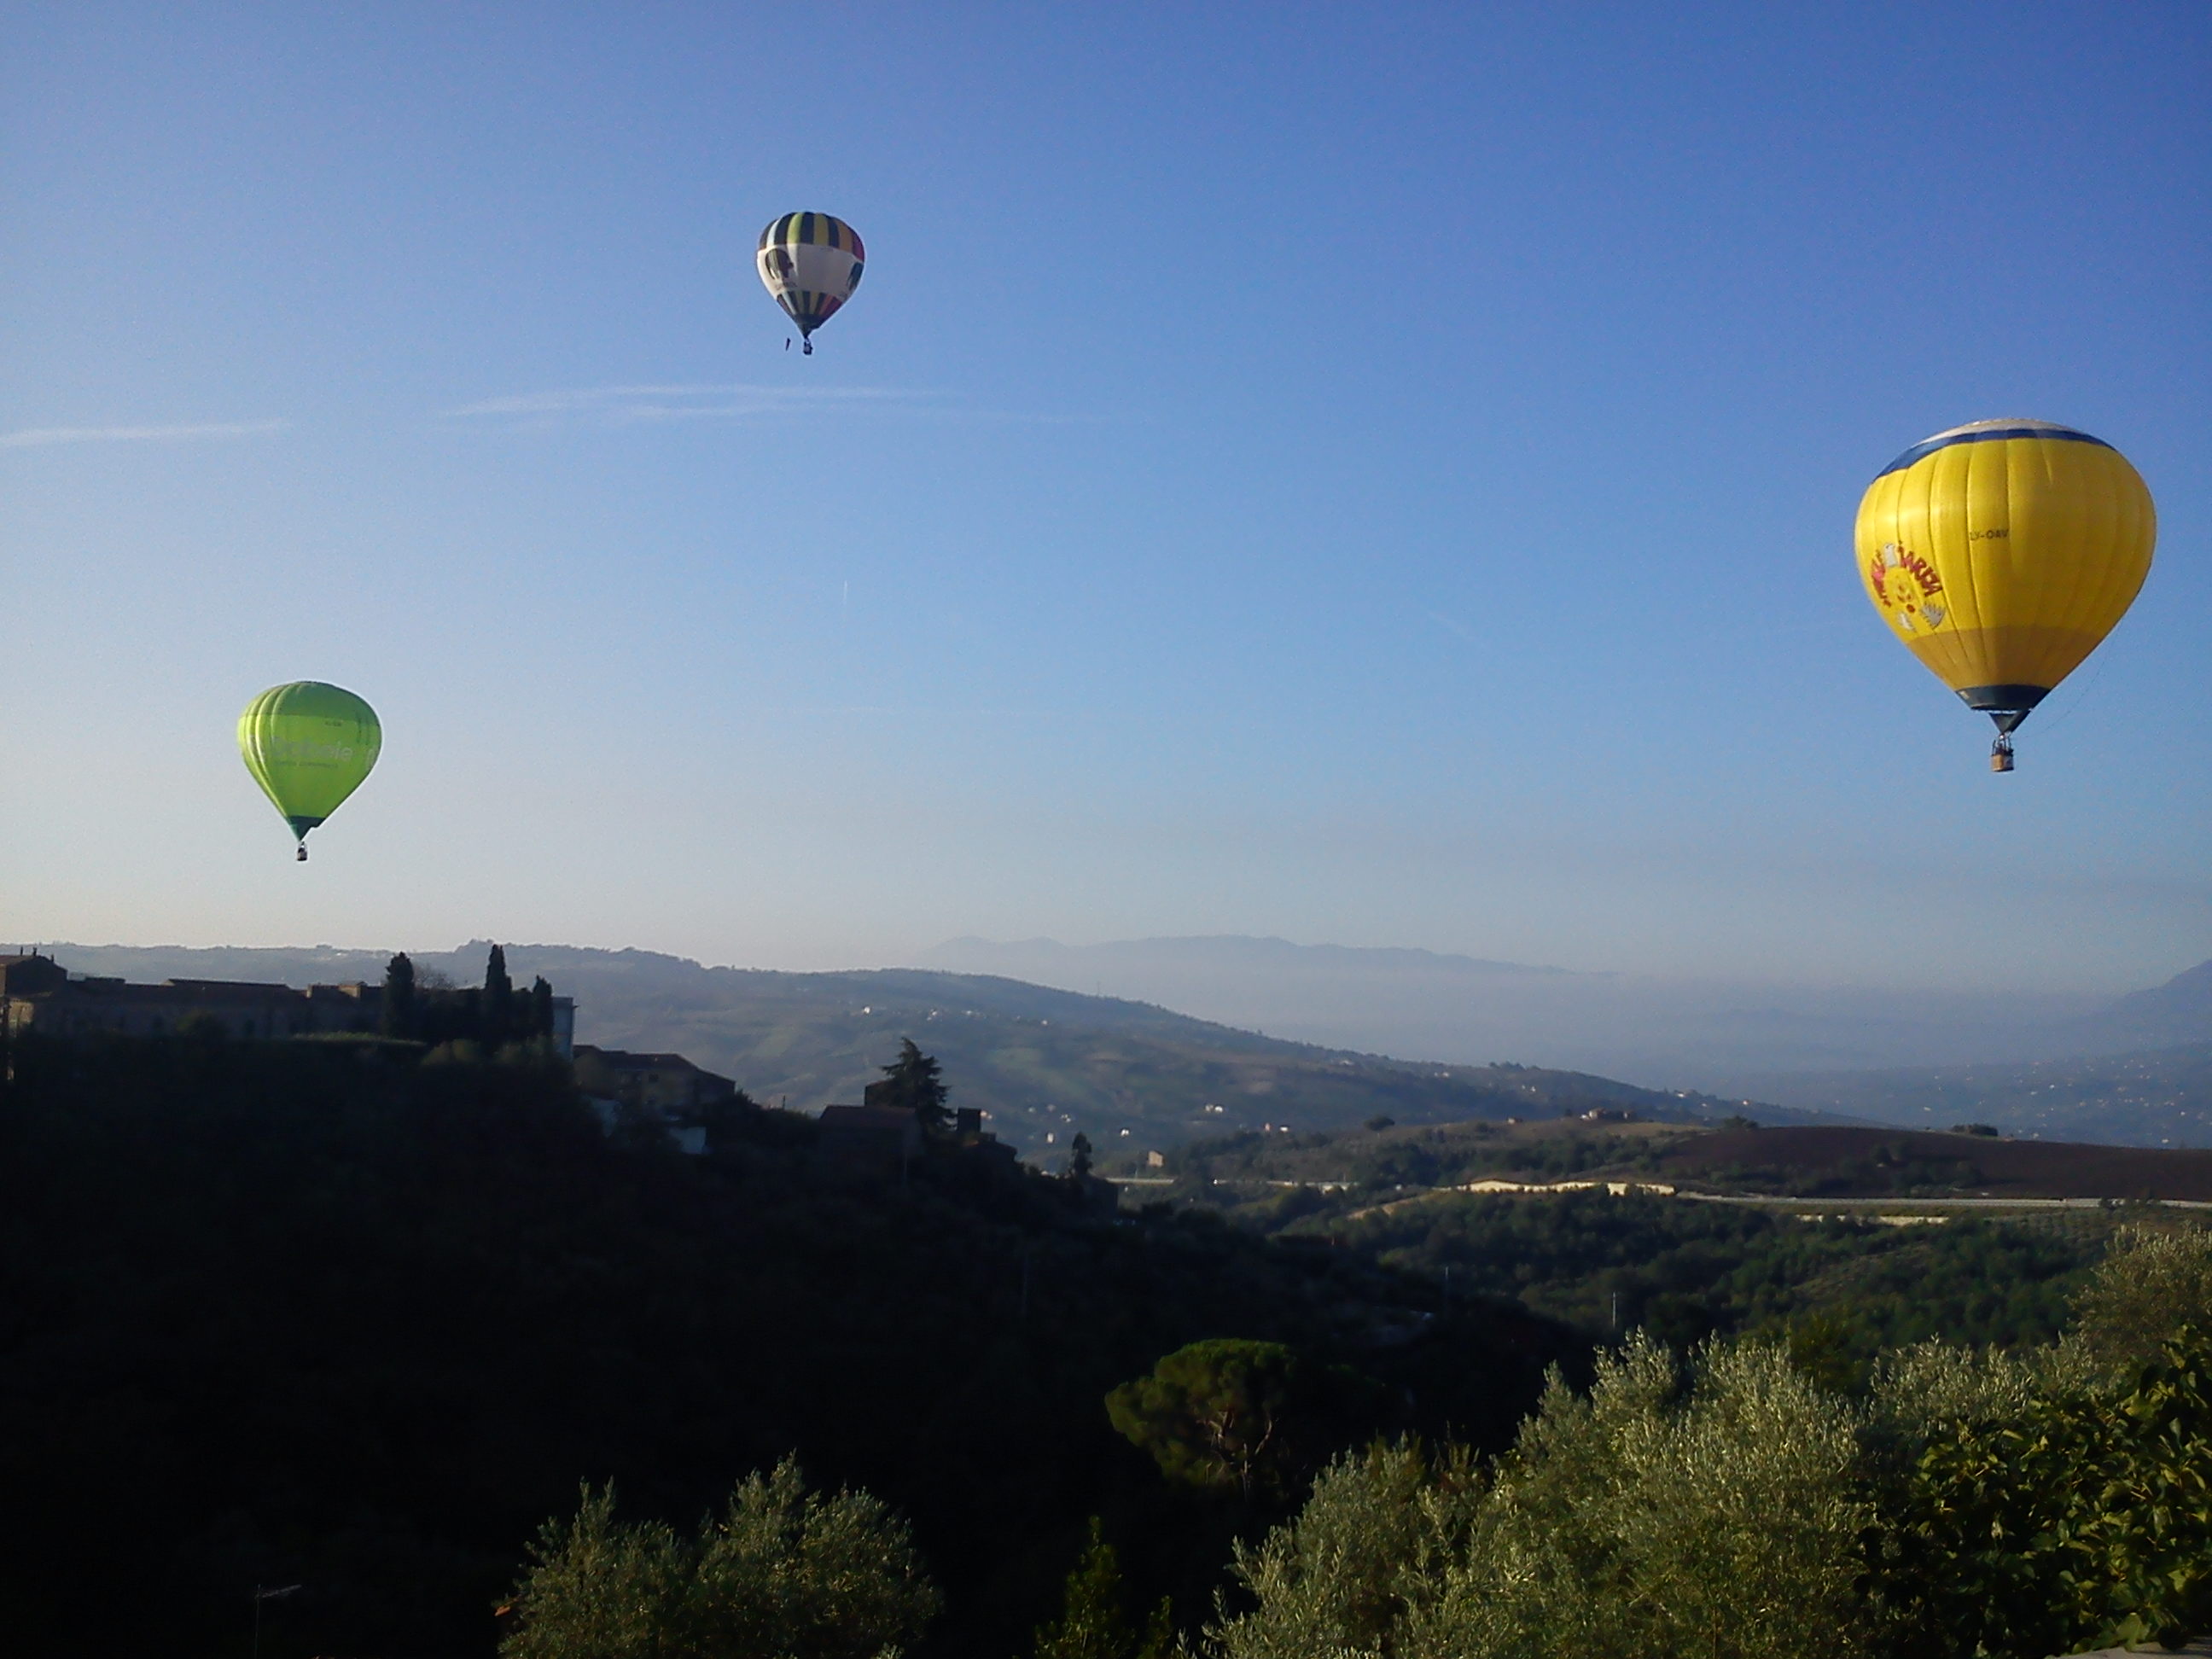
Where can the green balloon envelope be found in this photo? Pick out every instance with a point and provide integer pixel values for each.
(308, 746)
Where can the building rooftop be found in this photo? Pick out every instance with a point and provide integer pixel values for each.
(623, 1060)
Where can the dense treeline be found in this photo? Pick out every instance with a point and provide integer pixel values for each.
(1613, 1264)
(339, 1315)
(1684, 1271)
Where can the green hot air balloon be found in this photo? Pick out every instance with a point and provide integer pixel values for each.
(308, 746)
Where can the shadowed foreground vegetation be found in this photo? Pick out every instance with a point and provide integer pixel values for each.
(337, 1314)
(1957, 1502)
(358, 1317)
(1969, 1504)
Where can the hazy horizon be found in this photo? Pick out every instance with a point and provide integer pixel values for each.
(2088, 989)
(1727, 1037)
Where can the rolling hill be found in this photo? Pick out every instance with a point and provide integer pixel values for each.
(1045, 1063)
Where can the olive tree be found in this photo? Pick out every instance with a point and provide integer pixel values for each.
(781, 1573)
(2151, 1282)
(1710, 1512)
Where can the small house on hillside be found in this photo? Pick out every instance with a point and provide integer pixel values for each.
(870, 1140)
(666, 1083)
(875, 1140)
(973, 1139)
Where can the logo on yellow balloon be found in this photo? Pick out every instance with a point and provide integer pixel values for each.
(1906, 588)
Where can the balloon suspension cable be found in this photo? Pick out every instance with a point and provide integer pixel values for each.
(2000, 753)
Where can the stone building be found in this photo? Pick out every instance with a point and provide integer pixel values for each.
(666, 1083)
(37, 993)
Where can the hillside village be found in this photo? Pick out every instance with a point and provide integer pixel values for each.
(899, 1118)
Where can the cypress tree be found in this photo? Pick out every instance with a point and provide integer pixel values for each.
(498, 998)
(398, 1016)
(541, 1007)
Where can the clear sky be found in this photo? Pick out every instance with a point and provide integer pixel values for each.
(1374, 474)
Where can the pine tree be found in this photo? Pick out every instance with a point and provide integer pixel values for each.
(397, 1018)
(498, 998)
(915, 1083)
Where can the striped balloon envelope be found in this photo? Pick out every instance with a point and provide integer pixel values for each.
(811, 263)
(2001, 554)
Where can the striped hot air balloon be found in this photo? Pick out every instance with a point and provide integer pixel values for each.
(2001, 554)
(810, 263)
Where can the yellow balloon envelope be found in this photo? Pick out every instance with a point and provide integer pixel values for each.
(308, 746)
(2001, 553)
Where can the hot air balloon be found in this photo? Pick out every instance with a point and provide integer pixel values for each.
(2001, 553)
(308, 746)
(811, 263)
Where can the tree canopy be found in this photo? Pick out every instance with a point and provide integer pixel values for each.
(1252, 1417)
(914, 1082)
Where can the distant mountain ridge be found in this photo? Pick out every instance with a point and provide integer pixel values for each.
(2138, 1073)
(1695, 1033)
(1046, 1062)
(2180, 1010)
(1211, 949)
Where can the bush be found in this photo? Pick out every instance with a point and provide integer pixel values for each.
(2066, 1521)
(782, 1573)
(2151, 1282)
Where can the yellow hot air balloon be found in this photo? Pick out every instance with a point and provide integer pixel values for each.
(308, 746)
(811, 263)
(2001, 553)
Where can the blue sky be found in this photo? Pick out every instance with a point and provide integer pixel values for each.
(1383, 477)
